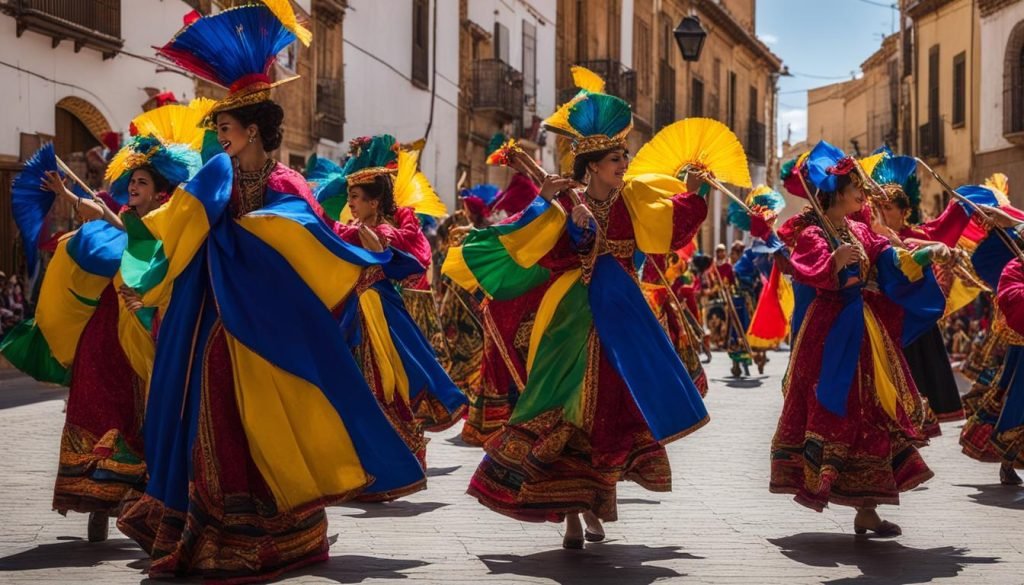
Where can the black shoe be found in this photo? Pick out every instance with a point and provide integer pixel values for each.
(99, 525)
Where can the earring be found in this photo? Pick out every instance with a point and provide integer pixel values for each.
(252, 139)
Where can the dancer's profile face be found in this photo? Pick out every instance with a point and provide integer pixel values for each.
(361, 205)
(851, 198)
(892, 214)
(142, 193)
(233, 136)
(611, 168)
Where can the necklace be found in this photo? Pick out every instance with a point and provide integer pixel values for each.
(251, 188)
(601, 209)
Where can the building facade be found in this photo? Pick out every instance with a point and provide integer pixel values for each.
(401, 77)
(1001, 102)
(507, 81)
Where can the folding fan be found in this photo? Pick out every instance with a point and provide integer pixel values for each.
(698, 144)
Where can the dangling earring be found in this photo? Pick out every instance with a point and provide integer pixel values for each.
(252, 139)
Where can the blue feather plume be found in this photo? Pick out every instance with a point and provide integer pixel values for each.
(600, 113)
(902, 171)
(230, 45)
(486, 192)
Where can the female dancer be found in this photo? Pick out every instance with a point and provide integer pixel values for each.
(399, 363)
(849, 429)
(257, 417)
(83, 336)
(605, 389)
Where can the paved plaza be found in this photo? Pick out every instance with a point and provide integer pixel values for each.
(719, 524)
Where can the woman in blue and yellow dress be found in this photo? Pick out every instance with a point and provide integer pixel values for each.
(84, 337)
(605, 389)
(258, 417)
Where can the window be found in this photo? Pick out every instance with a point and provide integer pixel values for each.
(697, 98)
(530, 64)
(730, 115)
(666, 39)
(754, 105)
(420, 42)
(642, 53)
(1013, 83)
(959, 90)
(501, 42)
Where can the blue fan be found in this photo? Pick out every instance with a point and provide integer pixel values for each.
(31, 201)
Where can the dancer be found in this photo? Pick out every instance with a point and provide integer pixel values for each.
(257, 417)
(605, 389)
(398, 362)
(850, 424)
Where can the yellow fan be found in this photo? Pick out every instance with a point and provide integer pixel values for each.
(175, 123)
(588, 82)
(413, 189)
(698, 143)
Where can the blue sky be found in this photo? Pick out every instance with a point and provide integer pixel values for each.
(821, 41)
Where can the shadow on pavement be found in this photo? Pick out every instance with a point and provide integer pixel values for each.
(358, 568)
(20, 390)
(621, 564)
(458, 442)
(76, 552)
(881, 562)
(439, 471)
(639, 501)
(398, 509)
(998, 495)
(751, 382)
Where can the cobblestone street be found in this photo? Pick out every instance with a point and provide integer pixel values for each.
(719, 524)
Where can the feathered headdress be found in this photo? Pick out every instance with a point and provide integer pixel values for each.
(479, 198)
(1000, 184)
(897, 175)
(175, 123)
(826, 164)
(791, 173)
(763, 201)
(594, 121)
(371, 157)
(177, 163)
(31, 201)
(236, 49)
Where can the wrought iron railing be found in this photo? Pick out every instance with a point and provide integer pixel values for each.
(497, 87)
(94, 23)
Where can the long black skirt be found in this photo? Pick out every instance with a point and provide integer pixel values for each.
(933, 375)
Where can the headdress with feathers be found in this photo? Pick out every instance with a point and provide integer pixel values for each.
(592, 120)
(762, 200)
(236, 49)
(897, 175)
(177, 163)
(826, 164)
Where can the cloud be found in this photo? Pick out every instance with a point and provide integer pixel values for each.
(768, 38)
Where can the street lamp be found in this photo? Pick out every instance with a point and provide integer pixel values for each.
(690, 36)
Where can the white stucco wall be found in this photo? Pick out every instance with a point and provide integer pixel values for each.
(511, 14)
(995, 33)
(381, 98)
(114, 86)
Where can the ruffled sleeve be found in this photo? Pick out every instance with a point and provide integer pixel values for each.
(664, 216)
(811, 260)
(1011, 295)
(948, 227)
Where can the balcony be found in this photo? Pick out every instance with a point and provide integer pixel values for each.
(930, 142)
(756, 142)
(95, 24)
(497, 88)
(619, 80)
(329, 109)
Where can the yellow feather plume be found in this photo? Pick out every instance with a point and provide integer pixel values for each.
(587, 80)
(284, 12)
(869, 163)
(175, 123)
(759, 190)
(1000, 184)
(565, 156)
(413, 189)
(700, 143)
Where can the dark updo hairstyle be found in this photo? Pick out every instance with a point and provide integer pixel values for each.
(382, 189)
(828, 198)
(581, 165)
(160, 183)
(267, 116)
